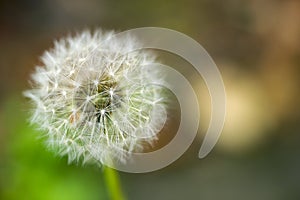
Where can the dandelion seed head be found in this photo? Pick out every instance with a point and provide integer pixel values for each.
(93, 98)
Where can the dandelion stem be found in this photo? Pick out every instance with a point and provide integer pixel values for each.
(113, 184)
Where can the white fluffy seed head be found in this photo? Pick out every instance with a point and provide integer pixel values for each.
(94, 99)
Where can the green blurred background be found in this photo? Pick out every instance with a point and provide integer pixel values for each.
(256, 45)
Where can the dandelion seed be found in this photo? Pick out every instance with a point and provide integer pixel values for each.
(102, 103)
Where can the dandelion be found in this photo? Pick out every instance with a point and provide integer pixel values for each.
(94, 99)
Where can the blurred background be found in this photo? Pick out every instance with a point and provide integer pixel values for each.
(255, 44)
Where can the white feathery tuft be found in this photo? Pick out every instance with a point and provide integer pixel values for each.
(94, 99)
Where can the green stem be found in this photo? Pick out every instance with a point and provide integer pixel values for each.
(112, 181)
